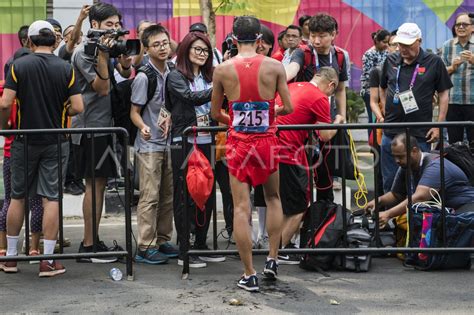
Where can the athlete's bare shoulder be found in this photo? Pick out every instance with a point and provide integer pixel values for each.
(223, 68)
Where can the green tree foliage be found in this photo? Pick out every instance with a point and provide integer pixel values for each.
(226, 6)
(355, 106)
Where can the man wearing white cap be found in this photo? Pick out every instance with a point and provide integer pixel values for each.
(410, 77)
(43, 84)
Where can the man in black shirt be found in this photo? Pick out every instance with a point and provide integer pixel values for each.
(42, 84)
(410, 78)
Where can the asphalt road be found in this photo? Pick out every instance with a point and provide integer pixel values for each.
(388, 288)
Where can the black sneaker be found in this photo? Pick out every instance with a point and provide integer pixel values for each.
(271, 269)
(80, 184)
(100, 248)
(249, 284)
(289, 259)
(72, 189)
(194, 262)
(115, 248)
(210, 258)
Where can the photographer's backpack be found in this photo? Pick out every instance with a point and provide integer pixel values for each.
(325, 229)
(461, 155)
(121, 99)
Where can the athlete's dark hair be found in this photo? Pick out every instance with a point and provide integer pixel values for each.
(184, 65)
(322, 23)
(23, 34)
(45, 38)
(303, 19)
(246, 29)
(153, 30)
(102, 11)
(295, 27)
(380, 35)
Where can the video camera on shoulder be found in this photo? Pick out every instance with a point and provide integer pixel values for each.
(127, 47)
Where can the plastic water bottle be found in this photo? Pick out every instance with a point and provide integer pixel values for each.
(115, 274)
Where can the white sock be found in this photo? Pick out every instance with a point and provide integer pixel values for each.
(262, 217)
(271, 258)
(12, 243)
(253, 274)
(49, 248)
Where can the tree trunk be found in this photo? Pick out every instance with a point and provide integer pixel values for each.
(209, 18)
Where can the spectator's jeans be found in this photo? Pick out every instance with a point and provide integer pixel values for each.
(155, 206)
(389, 167)
(366, 98)
(370, 119)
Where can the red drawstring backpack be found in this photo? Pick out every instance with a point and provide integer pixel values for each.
(199, 178)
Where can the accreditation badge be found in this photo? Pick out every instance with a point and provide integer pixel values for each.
(408, 102)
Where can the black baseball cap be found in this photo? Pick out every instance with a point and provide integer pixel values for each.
(55, 24)
(198, 27)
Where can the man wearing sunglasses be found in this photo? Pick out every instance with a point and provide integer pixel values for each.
(458, 57)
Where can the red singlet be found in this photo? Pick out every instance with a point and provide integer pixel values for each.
(252, 145)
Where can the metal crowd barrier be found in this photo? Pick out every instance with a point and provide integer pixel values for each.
(408, 127)
(128, 215)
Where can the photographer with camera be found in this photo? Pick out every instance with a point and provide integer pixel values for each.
(92, 61)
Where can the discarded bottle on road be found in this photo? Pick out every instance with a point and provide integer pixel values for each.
(115, 274)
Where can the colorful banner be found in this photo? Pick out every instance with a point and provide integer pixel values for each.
(14, 14)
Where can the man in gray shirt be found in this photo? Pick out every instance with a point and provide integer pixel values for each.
(93, 75)
(155, 206)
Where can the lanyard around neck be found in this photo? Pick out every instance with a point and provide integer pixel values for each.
(413, 78)
(316, 59)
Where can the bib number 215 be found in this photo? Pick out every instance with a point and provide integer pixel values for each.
(251, 117)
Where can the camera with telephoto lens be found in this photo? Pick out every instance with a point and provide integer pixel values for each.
(228, 44)
(127, 47)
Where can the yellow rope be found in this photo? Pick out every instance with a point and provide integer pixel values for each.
(361, 193)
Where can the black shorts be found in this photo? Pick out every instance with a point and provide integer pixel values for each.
(293, 190)
(105, 158)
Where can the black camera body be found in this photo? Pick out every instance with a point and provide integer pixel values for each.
(128, 47)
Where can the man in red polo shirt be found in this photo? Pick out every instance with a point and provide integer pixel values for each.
(311, 106)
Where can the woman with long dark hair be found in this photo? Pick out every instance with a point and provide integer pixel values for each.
(188, 96)
(373, 57)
